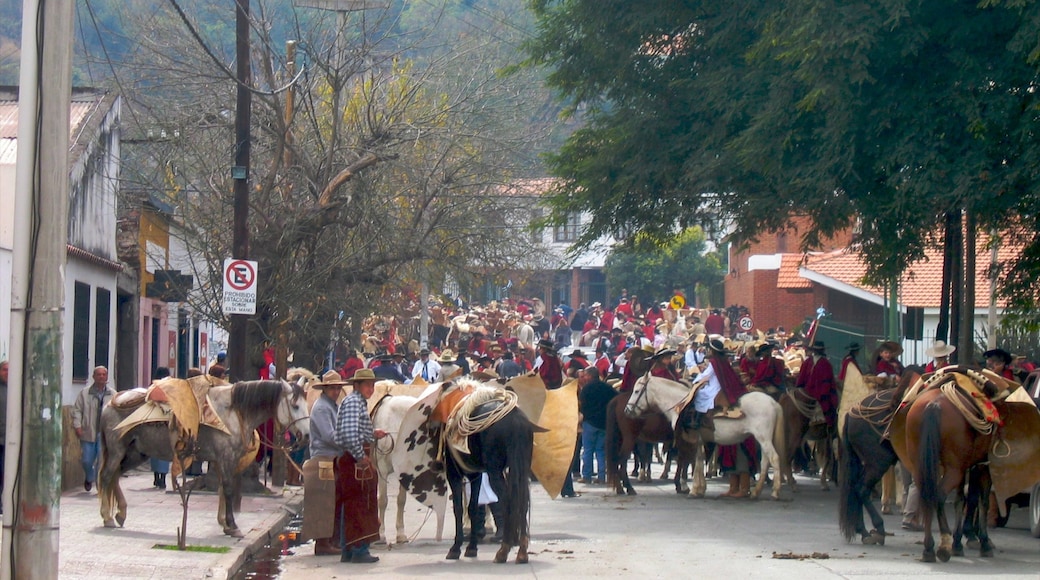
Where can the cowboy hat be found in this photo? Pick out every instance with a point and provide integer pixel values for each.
(717, 346)
(940, 349)
(446, 356)
(818, 346)
(892, 347)
(546, 343)
(764, 348)
(998, 353)
(362, 375)
(855, 346)
(329, 379)
(577, 354)
(424, 352)
(484, 375)
(663, 352)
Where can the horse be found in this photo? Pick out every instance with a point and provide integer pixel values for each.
(500, 441)
(388, 412)
(623, 432)
(940, 445)
(242, 407)
(763, 419)
(866, 456)
(798, 410)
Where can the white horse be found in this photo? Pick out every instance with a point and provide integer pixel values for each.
(763, 419)
(387, 416)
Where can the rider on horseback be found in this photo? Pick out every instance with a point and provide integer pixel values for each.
(817, 379)
(718, 379)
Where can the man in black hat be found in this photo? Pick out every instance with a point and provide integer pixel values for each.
(425, 367)
(551, 367)
(852, 353)
(819, 382)
(387, 371)
(768, 374)
(999, 360)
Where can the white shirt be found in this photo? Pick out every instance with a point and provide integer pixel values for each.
(704, 400)
(433, 368)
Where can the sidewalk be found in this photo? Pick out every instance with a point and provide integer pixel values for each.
(88, 550)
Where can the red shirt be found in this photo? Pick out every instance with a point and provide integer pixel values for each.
(551, 371)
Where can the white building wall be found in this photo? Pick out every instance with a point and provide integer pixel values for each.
(85, 273)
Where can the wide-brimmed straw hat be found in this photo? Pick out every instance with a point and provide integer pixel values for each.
(447, 356)
(892, 347)
(940, 349)
(362, 375)
(330, 379)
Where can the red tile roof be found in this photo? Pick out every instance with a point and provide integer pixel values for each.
(788, 276)
(921, 284)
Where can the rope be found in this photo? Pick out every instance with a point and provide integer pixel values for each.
(392, 445)
(469, 425)
(970, 412)
(879, 416)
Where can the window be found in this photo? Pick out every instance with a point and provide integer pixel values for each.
(569, 231)
(102, 328)
(81, 333)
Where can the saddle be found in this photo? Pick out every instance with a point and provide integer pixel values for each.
(972, 392)
(808, 407)
(725, 410)
(187, 401)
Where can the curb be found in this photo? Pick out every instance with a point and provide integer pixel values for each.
(259, 537)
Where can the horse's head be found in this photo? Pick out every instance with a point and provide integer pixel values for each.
(637, 402)
(293, 411)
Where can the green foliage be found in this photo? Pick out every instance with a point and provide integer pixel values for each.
(881, 115)
(652, 270)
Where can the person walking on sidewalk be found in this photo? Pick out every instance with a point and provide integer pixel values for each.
(86, 417)
(356, 481)
(321, 486)
(160, 468)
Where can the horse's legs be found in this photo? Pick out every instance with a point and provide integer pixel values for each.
(383, 500)
(985, 484)
(455, 482)
(521, 553)
(229, 491)
(888, 489)
(769, 456)
(699, 484)
(477, 515)
(402, 497)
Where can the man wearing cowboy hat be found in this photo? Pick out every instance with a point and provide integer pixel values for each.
(356, 481)
(886, 362)
(852, 353)
(549, 366)
(661, 364)
(940, 353)
(386, 370)
(999, 360)
(324, 450)
(449, 367)
(819, 382)
(425, 367)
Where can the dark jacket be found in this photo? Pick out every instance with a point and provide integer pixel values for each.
(592, 402)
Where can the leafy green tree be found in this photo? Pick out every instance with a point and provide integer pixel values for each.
(652, 271)
(886, 116)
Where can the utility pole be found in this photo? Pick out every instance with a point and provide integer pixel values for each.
(237, 340)
(30, 538)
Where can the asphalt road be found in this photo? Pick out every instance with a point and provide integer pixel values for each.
(659, 534)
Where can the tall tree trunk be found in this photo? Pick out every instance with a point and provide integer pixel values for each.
(966, 345)
(956, 234)
(942, 330)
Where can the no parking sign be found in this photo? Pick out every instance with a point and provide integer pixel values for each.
(239, 286)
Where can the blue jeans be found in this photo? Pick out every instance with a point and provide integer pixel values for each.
(91, 450)
(592, 442)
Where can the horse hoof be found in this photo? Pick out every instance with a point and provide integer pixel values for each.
(111, 524)
(928, 557)
(958, 551)
(120, 520)
(943, 554)
(875, 538)
(402, 540)
(521, 558)
(502, 555)
(974, 544)
(234, 532)
(632, 492)
(887, 510)
(453, 554)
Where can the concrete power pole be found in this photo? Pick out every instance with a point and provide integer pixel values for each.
(238, 337)
(38, 297)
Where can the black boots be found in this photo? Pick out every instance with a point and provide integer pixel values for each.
(159, 480)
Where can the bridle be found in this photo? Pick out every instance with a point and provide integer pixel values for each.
(637, 395)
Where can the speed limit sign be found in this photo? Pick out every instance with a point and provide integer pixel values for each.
(745, 323)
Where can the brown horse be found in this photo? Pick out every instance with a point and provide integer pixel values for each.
(939, 446)
(799, 430)
(622, 434)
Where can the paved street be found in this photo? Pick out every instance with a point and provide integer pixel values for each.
(658, 534)
(89, 551)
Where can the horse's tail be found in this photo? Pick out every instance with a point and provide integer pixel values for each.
(850, 473)
(930, 452)
(612, 442)
(518, 483)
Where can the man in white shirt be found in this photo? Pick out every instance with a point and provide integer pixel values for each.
(425, 367)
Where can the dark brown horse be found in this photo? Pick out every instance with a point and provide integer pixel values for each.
(623, 432)
(866, 455)
(799, 430)
(939, 445)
